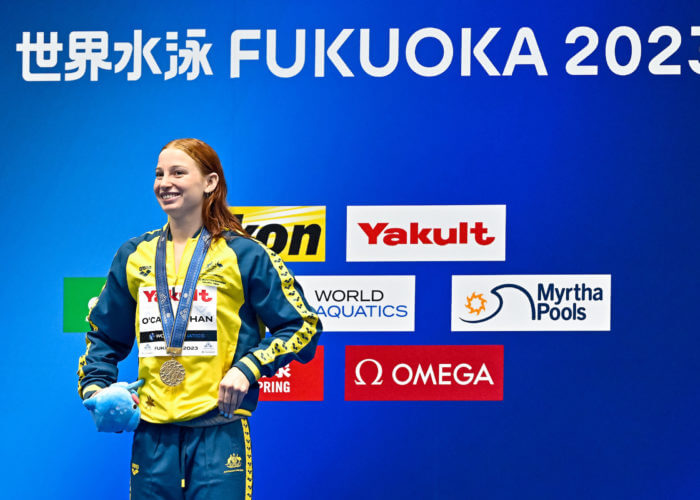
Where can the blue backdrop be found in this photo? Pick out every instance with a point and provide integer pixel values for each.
(598, 173)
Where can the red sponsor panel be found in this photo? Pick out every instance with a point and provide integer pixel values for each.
(295, 382)
(424, 373)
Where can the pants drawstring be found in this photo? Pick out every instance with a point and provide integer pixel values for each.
(182, 459)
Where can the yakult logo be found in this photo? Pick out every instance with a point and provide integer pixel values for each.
(416, 234)
(201, 294)
(530, 303)
(426, 233)
(423, 373)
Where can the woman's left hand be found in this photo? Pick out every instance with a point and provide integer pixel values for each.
(232, 389)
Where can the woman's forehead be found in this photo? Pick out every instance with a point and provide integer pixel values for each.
(175, 157)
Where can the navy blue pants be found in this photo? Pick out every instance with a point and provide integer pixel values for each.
(173, 462)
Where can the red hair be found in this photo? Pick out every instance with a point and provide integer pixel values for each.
(216, 215)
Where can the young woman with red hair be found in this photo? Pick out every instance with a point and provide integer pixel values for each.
(196, 294)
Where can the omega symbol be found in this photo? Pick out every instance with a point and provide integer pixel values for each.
(358, 378)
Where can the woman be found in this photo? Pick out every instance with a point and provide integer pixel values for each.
(200, 384)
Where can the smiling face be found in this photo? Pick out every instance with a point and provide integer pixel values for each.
(180, 186)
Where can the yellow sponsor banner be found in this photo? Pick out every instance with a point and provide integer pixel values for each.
(297, 234)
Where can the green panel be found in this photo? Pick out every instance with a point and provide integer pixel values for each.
(77, 292)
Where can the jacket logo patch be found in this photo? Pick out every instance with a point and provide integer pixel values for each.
(201, 338)
(233, 464)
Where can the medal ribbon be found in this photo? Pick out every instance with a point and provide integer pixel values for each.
(174, 329)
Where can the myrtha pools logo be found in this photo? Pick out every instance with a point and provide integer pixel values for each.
(531, 303)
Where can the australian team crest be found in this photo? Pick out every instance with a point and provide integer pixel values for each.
(234, 462)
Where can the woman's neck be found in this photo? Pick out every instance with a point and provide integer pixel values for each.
(185, 227)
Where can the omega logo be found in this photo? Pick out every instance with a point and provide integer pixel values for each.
(442, 374)
(358, 378)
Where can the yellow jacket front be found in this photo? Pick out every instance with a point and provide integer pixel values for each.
(243, 287)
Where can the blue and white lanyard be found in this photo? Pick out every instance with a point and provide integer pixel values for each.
(175, 333)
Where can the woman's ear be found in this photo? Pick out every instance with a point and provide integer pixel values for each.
(210, 182)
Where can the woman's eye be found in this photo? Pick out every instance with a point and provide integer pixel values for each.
(159, 175)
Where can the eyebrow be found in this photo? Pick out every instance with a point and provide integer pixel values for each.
(171, 166)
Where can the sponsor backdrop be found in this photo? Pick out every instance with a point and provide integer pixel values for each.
(492, 205)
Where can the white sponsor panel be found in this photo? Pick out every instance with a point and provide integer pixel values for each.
(362, 303)
(555, 302)
(201, 337)
(426, 233)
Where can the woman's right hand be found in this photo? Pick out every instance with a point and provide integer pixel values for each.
(93, 394)
(232, 389)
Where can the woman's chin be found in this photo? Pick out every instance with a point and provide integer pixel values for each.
(177, 211)
(170, 210)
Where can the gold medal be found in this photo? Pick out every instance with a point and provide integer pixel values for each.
(172, 373)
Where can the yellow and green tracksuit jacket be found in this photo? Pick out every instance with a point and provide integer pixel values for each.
(243, 287)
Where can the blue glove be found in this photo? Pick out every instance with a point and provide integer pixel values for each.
(116, 408)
